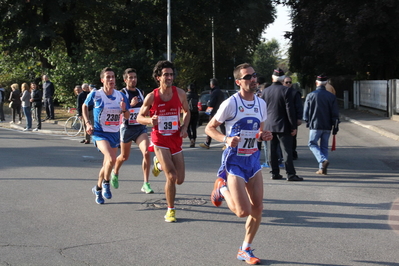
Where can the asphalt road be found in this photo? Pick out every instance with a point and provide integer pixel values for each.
(48, 215)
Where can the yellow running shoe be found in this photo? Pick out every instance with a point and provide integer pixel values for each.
(155, 169)
(170, 216)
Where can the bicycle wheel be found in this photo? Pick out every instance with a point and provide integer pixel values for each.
(73, 126)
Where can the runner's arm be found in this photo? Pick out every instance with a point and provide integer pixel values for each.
(142, 117)
(186, 113)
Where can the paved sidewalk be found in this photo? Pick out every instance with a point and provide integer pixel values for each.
(54, 127)
(383, 125)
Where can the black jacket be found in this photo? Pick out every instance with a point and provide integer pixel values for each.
(192, 99)
(15, 98)
(36, 96)
(48, 89)
(298, 104)
(281, 115)
(217, 98)
(80, 101)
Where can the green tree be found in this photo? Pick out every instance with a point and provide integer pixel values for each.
(345, 37)
(73, 39)
(266, 57)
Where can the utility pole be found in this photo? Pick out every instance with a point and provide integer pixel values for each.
(169, 37)
(213, 50)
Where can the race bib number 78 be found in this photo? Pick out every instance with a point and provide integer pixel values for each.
(247, 146)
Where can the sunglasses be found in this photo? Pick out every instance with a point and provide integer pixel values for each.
(288, 82)
(249, 76)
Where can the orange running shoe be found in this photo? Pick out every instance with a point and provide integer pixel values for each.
(248, 256)
(216, 196)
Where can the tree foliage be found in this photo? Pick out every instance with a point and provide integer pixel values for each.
(345, 37)
(266, 57)
(73, 39)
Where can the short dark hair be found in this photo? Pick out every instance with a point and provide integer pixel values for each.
(192, 87)
(127, 71)
(157, 72)
(214, 82)
(105, 69)
(236, 72)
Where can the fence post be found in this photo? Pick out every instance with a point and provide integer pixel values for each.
(394, 101)
(389, 98)
(356, 94)
(346, 100)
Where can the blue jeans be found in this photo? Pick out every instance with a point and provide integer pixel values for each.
(28, 116)
(320, 152)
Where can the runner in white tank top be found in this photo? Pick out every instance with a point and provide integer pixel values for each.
(240, 182)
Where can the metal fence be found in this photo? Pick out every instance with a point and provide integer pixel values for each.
(378, 94)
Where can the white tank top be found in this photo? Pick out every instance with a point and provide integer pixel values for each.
(110, 114)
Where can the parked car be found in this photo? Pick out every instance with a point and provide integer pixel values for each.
(204, 98)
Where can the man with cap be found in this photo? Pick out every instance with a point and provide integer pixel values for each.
(321, 115)
(282, 122)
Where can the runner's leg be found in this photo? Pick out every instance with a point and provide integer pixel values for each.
(255, 193)
(165, 159)
(109, 160)
(124, 156)
(143, 142)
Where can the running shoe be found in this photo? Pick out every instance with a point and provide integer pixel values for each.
(106, 191)
(114, 180)
(146, 188)
(156, 170)
(203, 145)
(216, 196)
(99, 197)
(170, 216)
(248, 256)
(265, 165)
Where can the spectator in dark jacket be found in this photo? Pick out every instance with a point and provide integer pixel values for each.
(282, 122)
(321, 115)
(15, 100)
(36, 100)
(192, 98)
(217, 98)
(298, 111)
(2, 99)
(48, 94)
(79, 102)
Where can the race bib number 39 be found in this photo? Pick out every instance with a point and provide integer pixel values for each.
(168, 124)
(247, 146)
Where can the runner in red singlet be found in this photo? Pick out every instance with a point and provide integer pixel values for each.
(165, 105)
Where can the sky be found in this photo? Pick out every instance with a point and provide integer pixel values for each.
(279, 27)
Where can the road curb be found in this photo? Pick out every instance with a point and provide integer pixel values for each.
(378, 130)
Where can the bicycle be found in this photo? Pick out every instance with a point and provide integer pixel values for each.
(73, 126)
